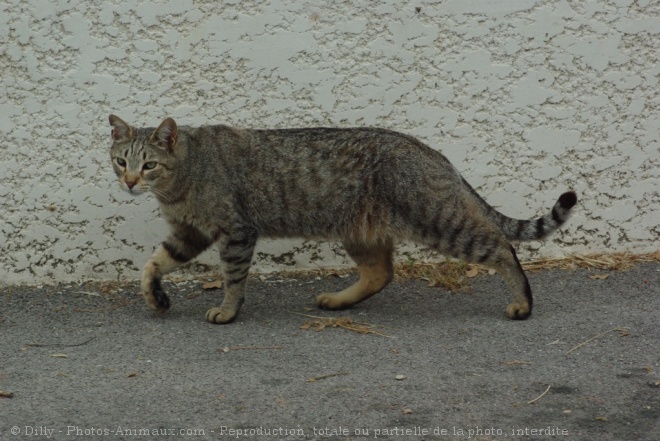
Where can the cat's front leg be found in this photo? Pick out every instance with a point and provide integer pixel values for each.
(184, 244)
(153, 271)
(236, 254)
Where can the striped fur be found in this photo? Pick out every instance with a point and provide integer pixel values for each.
(368, 188)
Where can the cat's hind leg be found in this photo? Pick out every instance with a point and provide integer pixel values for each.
(476, 240)
(374, 264)
(515, 278)
(504, 260)
(236, 254)
(184, 244)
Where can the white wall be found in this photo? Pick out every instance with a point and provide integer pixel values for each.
(527, 98)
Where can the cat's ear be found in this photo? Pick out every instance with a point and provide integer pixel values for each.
(166, 134)
(120, 130)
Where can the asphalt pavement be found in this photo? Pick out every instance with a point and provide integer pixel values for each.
(90, 361)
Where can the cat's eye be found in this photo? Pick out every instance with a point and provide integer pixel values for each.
(150, 165)
(121, 162)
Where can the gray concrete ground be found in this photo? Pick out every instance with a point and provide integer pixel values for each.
(90, 361)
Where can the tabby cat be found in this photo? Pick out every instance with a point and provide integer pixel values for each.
(365, 187)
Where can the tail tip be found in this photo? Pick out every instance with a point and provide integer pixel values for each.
(568, 200)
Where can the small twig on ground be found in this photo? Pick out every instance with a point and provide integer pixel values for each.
(514, 363)
(622, 330)
(324, 377)
(540, 396)
(60, 345)
(248, 348)
(89, 293)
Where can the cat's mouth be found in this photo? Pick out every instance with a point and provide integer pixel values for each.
(134, 190)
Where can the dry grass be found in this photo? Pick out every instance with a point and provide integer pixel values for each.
(454, 275)
(320, 323)
(450, 274)
(623, 331)
(317, 272)
(540, 396)
(601, 261)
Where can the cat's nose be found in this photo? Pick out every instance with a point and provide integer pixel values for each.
(130, 184)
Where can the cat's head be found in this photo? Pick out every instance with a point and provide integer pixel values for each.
(144, 159)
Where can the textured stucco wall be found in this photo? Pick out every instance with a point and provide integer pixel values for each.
(527, 98)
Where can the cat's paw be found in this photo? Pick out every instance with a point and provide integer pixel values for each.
(517, 311)
(221, 315)
(156, 297)
(330, 301)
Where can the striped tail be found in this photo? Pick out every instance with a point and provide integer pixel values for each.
(532, 229)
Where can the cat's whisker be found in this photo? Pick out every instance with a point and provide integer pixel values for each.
(163, 194)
